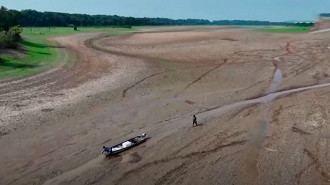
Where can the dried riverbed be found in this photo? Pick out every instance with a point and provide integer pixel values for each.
(261, 100)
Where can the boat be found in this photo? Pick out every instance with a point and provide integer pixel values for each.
(125, 145)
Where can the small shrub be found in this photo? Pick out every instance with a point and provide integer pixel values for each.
(10, 38)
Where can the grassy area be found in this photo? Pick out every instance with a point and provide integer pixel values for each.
(58, 31)
(41, 54)
(285, 29)
(38, 57)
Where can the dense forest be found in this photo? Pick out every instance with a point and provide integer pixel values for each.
(34, 18)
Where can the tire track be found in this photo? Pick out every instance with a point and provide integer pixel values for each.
(200, 77)
(170, 176)
(187, 145)
(244, 53)
(190, 155)
(90, 43)
(300, 173)
(168, 119)
(300, 131)
(150, 76)
(223, 157)
(316, 161)
(140, 81)
(251, 86)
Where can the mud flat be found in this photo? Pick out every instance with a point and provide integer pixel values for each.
(261, 100)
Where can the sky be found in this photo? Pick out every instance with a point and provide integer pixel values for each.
(267, 10)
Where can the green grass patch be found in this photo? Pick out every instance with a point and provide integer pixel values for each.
(59, 31)
(41, 54)
(285, 29)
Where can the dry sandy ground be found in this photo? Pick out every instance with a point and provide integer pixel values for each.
(53, 125)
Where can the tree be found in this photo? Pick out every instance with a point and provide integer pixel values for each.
(8, 18)
(3, 18)
(9, 31)
(10, 38)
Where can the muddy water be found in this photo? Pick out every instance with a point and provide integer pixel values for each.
(260, 131)
(276, 80)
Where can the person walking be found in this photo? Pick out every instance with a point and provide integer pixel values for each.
(194, 120)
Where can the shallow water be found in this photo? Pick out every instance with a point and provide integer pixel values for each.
(217, 111)
(277, 79)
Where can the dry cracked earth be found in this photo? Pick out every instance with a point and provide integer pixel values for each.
(261, 100)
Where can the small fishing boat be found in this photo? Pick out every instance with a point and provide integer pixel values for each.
(130, 143)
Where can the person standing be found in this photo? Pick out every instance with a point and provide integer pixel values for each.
(194, 120)
(107, 150)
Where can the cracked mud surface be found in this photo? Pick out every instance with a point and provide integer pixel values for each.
(54, 124)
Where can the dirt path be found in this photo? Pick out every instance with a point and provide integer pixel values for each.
(54, 124)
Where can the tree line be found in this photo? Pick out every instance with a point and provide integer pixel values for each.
(325, 15)
(29, 18)
(34, 18)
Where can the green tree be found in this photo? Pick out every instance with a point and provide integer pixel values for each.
(10, 38)
(8, 18)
